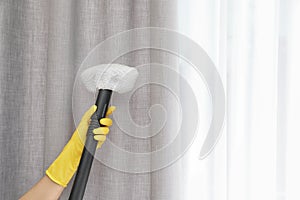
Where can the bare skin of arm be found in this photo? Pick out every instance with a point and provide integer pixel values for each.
(45, 189)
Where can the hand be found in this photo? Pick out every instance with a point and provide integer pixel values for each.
(99, 133)
(63, 168)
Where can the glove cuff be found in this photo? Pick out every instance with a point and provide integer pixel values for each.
(63, 168)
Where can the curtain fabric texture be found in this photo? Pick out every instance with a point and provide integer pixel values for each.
(255, 45)
(42, 44)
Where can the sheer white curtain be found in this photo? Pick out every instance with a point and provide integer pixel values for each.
(255, 45)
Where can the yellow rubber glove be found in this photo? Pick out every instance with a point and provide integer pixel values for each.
(63, 168)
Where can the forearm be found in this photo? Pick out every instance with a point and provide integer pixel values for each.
(45, 189)
(65, 165)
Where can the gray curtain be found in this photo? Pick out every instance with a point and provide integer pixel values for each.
(42, 44)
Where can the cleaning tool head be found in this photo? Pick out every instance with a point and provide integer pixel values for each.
(116, 77)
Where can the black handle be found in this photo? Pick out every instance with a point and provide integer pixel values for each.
(87, 157)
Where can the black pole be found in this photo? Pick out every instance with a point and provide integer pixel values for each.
(88, 153)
